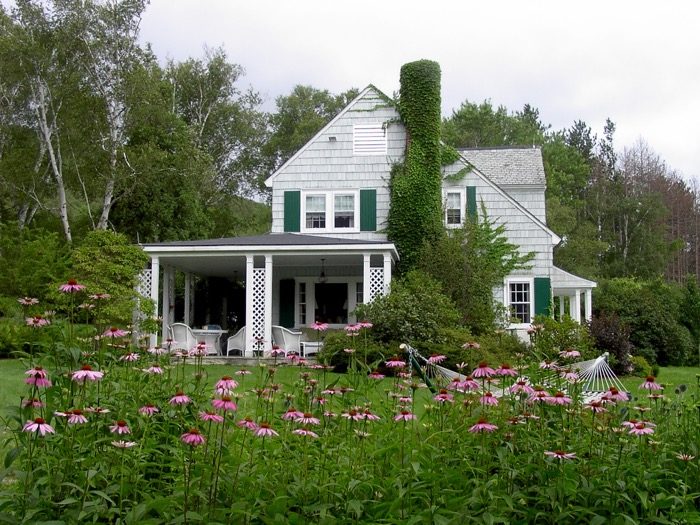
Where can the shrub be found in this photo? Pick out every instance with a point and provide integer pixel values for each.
(612, 335)
(640, 366)
(415, 310)
(557, 336)
(366, 349)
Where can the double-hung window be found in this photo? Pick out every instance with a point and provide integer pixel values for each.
(455, 200)
(333, 211)
(520, 300)
(344, 210)
(315, 212)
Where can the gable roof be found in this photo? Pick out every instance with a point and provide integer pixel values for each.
(370, 87)
(268, 239)
(508, 165)
(475, 169)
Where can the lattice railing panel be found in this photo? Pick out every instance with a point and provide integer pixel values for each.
(143, 287)
(376, 282)
(258, 320)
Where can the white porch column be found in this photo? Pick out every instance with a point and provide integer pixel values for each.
(268, 302)
(366, 278)
(577, 306)
(588, 305)
(561, 307)
(249, 305)
(387, 273)
(572, 308)
(188, 298)
(168, 293)
(155, 274)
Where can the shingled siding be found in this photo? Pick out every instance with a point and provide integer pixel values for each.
(521, 229)
(532, 199)
(327, 165)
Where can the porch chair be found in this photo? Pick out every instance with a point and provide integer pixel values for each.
(288, 340)
(235, 345)
(183, 336)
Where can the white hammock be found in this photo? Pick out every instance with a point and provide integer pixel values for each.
(595, 375)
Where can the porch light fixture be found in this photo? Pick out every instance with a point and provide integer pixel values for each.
(322, 278)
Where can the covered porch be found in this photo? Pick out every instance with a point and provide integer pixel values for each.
(258, 282)
(573, 294)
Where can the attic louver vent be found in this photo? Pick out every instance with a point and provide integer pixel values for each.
(369, 139)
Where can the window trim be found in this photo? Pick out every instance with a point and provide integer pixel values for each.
(330, 211)
(506, 298)
(462, 206)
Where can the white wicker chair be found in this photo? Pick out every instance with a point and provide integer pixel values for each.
(183, 336)
(288, 340)
(235, 345)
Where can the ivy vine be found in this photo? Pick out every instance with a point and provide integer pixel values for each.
(415, 213)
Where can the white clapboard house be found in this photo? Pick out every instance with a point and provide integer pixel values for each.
(328, 250)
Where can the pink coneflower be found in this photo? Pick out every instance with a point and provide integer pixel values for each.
(685, 457)
(369, 416)
(436, 359)
(123, 444)
(395, 362)
(39, 425)
(71, 286)
(403, 400)
(596, 407)
(86, 373)
(154, 369)
(319, 327)
(468, 384)
(506, 370)
(37, 377)
(149, 410)
(180, 398)
(264, 430)
(99, 296)
(224, 403)
(292, 414)
(247, 423)
(305, 432)
(471, 345)
(352, 330)
(641, 429)
(75, 416)
(37, 321)
(208, 415)
(560, 454)
(483, 426)
(319, 400)
(365, 324)
(307, 419)
(483, 370)
(535, 329)
(521, 386)
(28, 301)
(403, 375)
(569, 353)
(349, 350)
(243, 372)
(375, 374)
(629, 424)
(538, 395)
(130, 357)
(276, 352)
(443, 396)
(192, 438)
(570, 376)
(97, 410)
(120, 427)
(353, 415)
(86, 306)
(330, 391)
(32, 402)
(488, 399)
(613, 394)
(559, 398)
(329, 414)
(157, 350)
(651, 384)
(548, 365)
(404, 415)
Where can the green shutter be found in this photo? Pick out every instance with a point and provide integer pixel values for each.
(368, 210)
(292, 211)
(471, 202)
(287, 303)
(543, 296)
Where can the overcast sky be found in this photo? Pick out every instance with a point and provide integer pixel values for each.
(635, 62)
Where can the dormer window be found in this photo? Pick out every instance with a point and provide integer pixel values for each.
(332, 211)
(369, 139)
